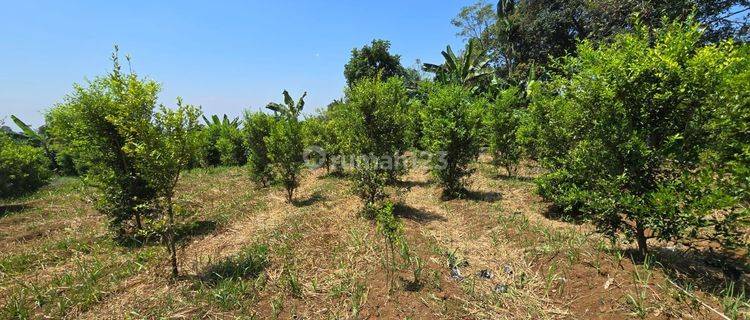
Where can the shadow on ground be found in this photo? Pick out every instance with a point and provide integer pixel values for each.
(314, 198)
(8, 209)
(484, 196)
(408, 184)
(418, 215)
(247, 264)
(505, 177)
(183, 233)
(557, 213)
(707, 270)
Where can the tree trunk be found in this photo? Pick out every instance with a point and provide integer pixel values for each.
(640, 233)
(171, 239)
(138, 223)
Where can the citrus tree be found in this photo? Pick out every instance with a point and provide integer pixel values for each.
(624, 127)
(373, 126)
(167, 147)
(451, 133)
(257, 127)
(501, 122)
(99, 119)
(284, 142)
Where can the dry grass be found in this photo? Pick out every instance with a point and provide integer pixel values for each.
(324, 262)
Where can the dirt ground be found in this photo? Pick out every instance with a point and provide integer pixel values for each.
(499, 253)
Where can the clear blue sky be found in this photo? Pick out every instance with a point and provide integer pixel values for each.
(224, 56)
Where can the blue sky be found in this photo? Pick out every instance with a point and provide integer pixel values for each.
(225, 56)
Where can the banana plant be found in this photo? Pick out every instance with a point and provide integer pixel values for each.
(37, 137)
(289, 108)
(225, 122)
(466, 69)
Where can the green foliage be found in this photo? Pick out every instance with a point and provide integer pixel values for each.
(375, 119)
(318, 132)
(69, 156)
(374, 125)
(249, 263)
(370, 181)
(284, 143)
(526, 33)
(373, 61)
(334, 139)
(222, 142)
(451, 135)
(23, 168)
(96, 122)
(38, 138)
(502, 121)
(166, 148)
(469, 69)
(625, 126)
(257, 127)
(392, 230)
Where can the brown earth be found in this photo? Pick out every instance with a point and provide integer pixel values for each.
(326, 262)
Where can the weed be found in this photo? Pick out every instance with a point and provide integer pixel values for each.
(229, 293)
(16, 307)
(734, 302)
(290, 280)
(277, 305)
(638, 301)
(358, 298)
(247, 264)
(549, 278)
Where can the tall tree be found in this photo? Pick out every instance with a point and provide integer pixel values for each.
(373, 60)
(523, 34)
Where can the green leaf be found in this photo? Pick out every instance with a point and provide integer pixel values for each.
(26, 129)
(276, 107)
(288, 99)
(450, 58)
(301, 102)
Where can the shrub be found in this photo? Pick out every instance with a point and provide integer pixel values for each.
(392, 230)
(451, 135)
(23, 168)
(624, 126)
(373, 125)
(333, 140)
(374, 120)
(285, 142)
(166, 147)
(100, 120)
(369, 185)
(69, 156)
(317, 132)
(222, 142)
(502, 120)
(257, 127)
